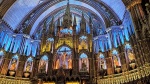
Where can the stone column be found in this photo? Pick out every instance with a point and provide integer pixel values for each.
(50, 67)
(123, 58)
(21, 64)
(108, 58)
(35, 67)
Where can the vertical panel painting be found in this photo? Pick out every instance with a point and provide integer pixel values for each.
(63, 58)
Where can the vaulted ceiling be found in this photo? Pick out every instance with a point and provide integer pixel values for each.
(34, 12)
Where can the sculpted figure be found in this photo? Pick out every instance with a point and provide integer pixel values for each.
(116, 62)
(28, 67)
(131, 56)
(13, 64)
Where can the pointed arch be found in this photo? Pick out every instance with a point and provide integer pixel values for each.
(43, 64)
(83, 63)
(14, 63)
(28, 65)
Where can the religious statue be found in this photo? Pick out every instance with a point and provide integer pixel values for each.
(43, 66)
(13, 65)
(28, 66)
(101, 63)
(64, 60)
(131, 57)
(84, 66)
(116, 62)
(70, 63)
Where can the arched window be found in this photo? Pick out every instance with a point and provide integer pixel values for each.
(1, 56)
(28, 65)
(101, 62)
(83, 63)
(43, 65)
(116, 59)
(63, 58)
(13, 63)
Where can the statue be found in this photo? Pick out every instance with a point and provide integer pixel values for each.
(64, 60)
(70, 63)
(43, 66)
(84, 66)
(28, 66)
(13, 65)
(116, 62)
(101, 64)
(131, 57)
